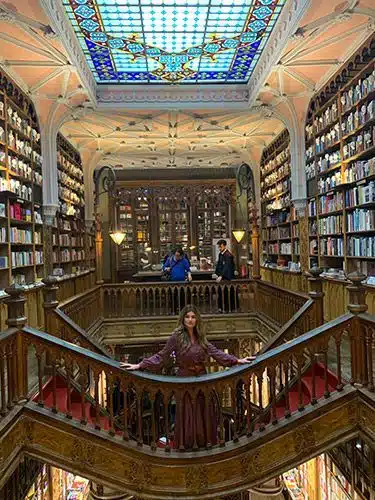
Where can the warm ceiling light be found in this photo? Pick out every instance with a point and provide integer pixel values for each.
(117, 237)
(238, 234)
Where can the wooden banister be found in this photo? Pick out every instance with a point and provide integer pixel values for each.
(148, 396)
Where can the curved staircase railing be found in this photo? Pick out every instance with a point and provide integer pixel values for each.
(146, 415)
(167, 401)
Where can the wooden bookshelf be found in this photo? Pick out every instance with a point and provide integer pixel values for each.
(158, 218)
(279, 226)
(340, 171)
(21, 240)
(68, 237)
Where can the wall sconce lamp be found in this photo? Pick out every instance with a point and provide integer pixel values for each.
(105, 180)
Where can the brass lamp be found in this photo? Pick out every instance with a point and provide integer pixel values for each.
(117, 236)
(238, 234)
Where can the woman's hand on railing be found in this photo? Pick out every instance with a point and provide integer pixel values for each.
(244, 361)
(129, 366)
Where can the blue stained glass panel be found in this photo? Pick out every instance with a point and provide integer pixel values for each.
(172, 41)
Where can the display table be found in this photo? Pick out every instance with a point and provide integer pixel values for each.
(156, 275)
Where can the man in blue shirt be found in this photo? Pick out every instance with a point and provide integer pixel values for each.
(178, 266)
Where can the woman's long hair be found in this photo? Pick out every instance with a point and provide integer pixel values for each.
(182, 333)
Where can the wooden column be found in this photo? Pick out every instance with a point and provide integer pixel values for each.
(255, 240)
(316, 293)
(50, 301)
(17, 319)
(357, 304)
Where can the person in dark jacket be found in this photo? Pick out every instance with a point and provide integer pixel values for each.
(225, 271)
(225, 264)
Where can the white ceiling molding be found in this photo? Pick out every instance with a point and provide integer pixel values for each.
(164, 96)
(290, 17)
(61, 25)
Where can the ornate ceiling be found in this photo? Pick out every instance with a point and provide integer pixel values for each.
(172, 138)
(174, 127)
(174, 41)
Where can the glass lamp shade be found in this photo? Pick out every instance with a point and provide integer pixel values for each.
(238, 234)
(117, 236)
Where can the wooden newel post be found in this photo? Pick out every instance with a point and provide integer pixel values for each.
(255, 241)
(50, 301)
(316, 293)
(16, 306)
(357, 293)
(17, 319)
(357, 304)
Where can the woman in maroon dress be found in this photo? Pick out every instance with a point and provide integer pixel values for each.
(189, 345)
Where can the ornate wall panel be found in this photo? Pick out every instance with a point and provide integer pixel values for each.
(159, 475)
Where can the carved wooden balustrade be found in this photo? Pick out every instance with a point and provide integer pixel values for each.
(70, 320)
(144, 407)
(148, 409)
(295, 313)
(278, 303)
(84, 309)
(140, 416)
(167, 298)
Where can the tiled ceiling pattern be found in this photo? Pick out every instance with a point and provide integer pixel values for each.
(173, 41)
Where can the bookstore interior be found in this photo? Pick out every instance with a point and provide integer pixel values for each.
(333, 228)
(132, 129)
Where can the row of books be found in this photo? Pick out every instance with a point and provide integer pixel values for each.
(26, 258)
(360, 195)
(360, 220)
(330, 225)
(332, 246)
(363, 246)
(21, 235)
(331, 202)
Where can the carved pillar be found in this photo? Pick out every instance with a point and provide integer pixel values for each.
(304, 256)
(50, 301)
(357, 304)
(255, 241)
(49, 214)
(100, 492)
(316, 293)
(50, 191)
(297, 160)
(89, 231)
(17, 319)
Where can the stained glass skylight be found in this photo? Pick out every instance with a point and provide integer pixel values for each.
(173, 41)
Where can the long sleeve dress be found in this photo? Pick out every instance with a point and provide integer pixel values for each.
(192, 426)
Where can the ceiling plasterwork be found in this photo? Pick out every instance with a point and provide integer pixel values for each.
(209, 96)
(175, 139)
(183, 127)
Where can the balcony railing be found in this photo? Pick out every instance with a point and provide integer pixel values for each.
(145, 300)
(184, 413)
(154, 410)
